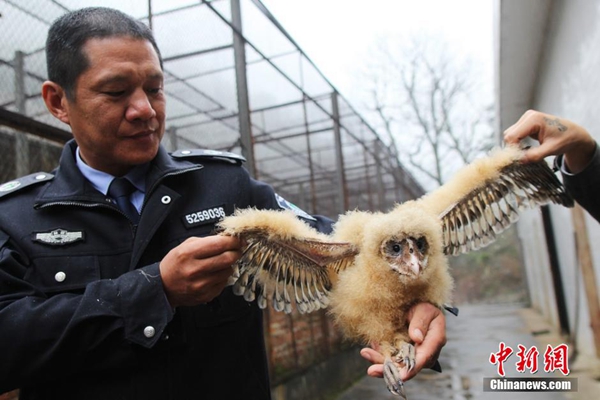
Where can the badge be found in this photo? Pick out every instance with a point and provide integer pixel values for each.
(8, 186)
(286, 205)
(58, 237)
(25, 181)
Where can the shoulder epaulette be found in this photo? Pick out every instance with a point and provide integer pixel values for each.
(23, 182)
(209, 154)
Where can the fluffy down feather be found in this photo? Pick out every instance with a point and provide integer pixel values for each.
(375, 266)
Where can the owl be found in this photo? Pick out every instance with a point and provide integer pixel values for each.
(375, 266)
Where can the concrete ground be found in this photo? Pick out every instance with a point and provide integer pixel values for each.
(472, 337)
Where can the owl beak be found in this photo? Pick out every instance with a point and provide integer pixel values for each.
(409, 261)
(414, 264)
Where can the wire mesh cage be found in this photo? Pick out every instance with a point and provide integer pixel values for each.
(234, 81)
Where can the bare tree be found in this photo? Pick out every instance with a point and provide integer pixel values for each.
(424, 100)
(430, 106)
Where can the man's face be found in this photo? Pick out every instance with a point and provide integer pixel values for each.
(118, 114)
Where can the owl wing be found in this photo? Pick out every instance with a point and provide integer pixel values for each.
(284, 259)
(474, 220)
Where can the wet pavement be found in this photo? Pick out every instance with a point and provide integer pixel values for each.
(472, 337)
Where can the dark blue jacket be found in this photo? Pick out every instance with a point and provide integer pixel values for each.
(584, 185)
(83, 314)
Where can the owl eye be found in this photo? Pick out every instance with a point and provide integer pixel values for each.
(421, 244)
(393, 248)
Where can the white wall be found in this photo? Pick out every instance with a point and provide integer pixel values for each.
(568, 85)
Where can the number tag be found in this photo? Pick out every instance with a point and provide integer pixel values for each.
(206, 216)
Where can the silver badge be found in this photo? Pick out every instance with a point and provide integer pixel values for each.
(8, 186)
(58, 237)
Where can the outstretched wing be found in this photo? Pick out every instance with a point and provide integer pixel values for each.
(474, 220)
(284, 260)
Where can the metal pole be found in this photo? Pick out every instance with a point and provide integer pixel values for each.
(311, 170)
(397, 189)
(239, 52)
(150, 14)
(368, 180)
(380, 189)
(172, 134)
(401, 192)
(301, 197)
(339, 156)
(557, 281)
(21, 142)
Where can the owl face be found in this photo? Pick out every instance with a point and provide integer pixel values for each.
(407, 256)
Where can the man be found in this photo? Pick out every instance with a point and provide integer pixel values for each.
(121, 293)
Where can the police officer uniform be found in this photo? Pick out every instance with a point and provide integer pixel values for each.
(83, 314)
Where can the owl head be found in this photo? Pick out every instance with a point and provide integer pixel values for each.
(404, 242)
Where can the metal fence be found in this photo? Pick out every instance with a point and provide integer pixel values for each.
(235, 81)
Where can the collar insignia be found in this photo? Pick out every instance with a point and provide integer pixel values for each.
(9, 186)
(58, 237)
(286, 205)
(25, 181)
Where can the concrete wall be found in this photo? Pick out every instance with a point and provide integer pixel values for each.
(42, 155)
(567, 84)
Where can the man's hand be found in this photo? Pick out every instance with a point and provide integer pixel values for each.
(556, 136)
(197, 270)
(427, 328)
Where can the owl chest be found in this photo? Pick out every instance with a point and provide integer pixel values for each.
(368, 309)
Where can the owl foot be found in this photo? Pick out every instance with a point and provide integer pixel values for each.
(391, 375)
(406, 356)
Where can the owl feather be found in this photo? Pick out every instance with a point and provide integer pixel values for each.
(375, 266)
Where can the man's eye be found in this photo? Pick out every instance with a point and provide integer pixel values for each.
(115, 94)
(155, 90)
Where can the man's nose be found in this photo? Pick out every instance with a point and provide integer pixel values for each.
(140, 107)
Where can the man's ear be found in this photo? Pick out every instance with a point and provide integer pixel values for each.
(56, 100)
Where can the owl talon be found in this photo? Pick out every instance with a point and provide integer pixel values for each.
(406, 356)
(391, 375)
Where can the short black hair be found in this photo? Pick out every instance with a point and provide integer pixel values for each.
(65, 58)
